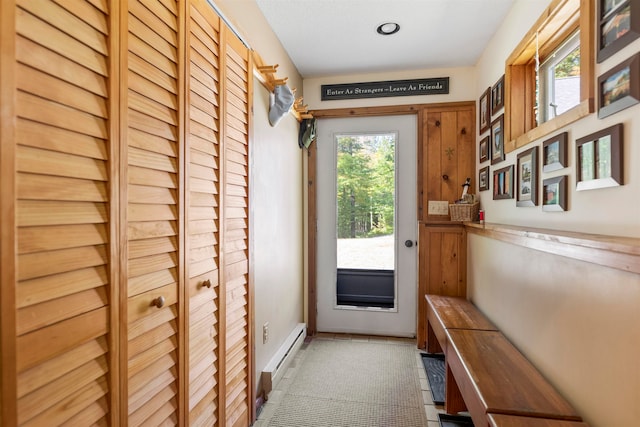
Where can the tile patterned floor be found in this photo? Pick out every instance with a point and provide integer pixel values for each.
(430, 409)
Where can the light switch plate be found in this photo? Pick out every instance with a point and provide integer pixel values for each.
(438, 207)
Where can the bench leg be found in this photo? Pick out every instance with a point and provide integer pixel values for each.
(453, 401)
(433, 346)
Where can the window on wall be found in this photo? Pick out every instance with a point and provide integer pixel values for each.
(559, 80)
(549, 77)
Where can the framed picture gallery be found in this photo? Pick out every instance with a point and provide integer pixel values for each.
(497, 140)
(483, 179)
(484, 110)
(554, 153)
(618, 25)
(619, 88)
(497, 95)
(554, 194)
(527, 189)
(484, 149)
(503, 183)
(599, 159)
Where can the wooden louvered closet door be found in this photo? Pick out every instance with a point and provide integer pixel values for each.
(126, 298)
(203, 185)
(63, 289)
(152, 214)
(236, 233)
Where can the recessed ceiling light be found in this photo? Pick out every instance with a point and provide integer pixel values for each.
(388, 28)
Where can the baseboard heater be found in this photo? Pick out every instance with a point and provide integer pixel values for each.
(278, 364)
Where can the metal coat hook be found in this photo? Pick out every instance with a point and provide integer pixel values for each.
(463, 131)
(438, 123)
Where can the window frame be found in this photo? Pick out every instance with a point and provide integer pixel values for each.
(559, 20)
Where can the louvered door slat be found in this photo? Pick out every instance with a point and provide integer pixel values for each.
(54, 139)
(50, 62)
(153, 211)
(59, 42)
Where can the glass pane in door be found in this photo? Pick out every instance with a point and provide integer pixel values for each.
(366, 219)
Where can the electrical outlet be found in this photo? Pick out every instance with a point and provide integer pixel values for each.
(265, 333)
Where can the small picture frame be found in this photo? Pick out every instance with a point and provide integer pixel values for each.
(483, 179)
(484, 149)
(618, 25)
(503, 183)
(485, 110)
(554, 194)
(599, 159)
(497, 140)
(527, 190)
(619, 88)
(497, 95)
(554, 153)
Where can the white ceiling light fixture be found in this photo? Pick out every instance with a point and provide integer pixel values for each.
(388, 28)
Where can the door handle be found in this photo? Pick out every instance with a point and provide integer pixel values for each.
(408, 243)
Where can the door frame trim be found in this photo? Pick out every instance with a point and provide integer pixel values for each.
(390, 110)
(312, 300)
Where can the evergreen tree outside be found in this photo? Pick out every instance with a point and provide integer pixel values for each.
(365, 185)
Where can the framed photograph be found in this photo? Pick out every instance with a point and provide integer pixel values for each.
(619, 88)
(483, 179)
(618, 25)
(497, 95)
(503, 183)
(599, 159)
(554, 194)
(485, 110)
(527, 190)
(554, 153)
(497, 140)
(484, 149)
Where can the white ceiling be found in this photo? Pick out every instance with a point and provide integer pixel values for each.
(332, 37)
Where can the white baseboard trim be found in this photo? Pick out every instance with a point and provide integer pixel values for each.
(278, 364)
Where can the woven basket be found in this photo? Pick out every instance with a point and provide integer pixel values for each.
(464, 211)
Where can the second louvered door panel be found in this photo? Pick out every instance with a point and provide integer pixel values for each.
(203, 185)
(152, 216)
(236, 232)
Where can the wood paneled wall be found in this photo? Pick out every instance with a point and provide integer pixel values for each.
(126, 297)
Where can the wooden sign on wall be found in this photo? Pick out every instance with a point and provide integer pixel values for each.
(432, 86)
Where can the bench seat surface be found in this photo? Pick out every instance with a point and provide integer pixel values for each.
(444, 313)
(493, 375)
(501, 420)
(458, 313)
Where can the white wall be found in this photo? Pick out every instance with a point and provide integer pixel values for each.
(577, 322)
(276, 202)
(276, 194)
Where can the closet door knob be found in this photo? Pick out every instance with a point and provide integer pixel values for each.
(158, 302)
(206, 284)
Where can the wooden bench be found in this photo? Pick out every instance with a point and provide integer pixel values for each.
(500, 420)
(444, 313)
(487, 375)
